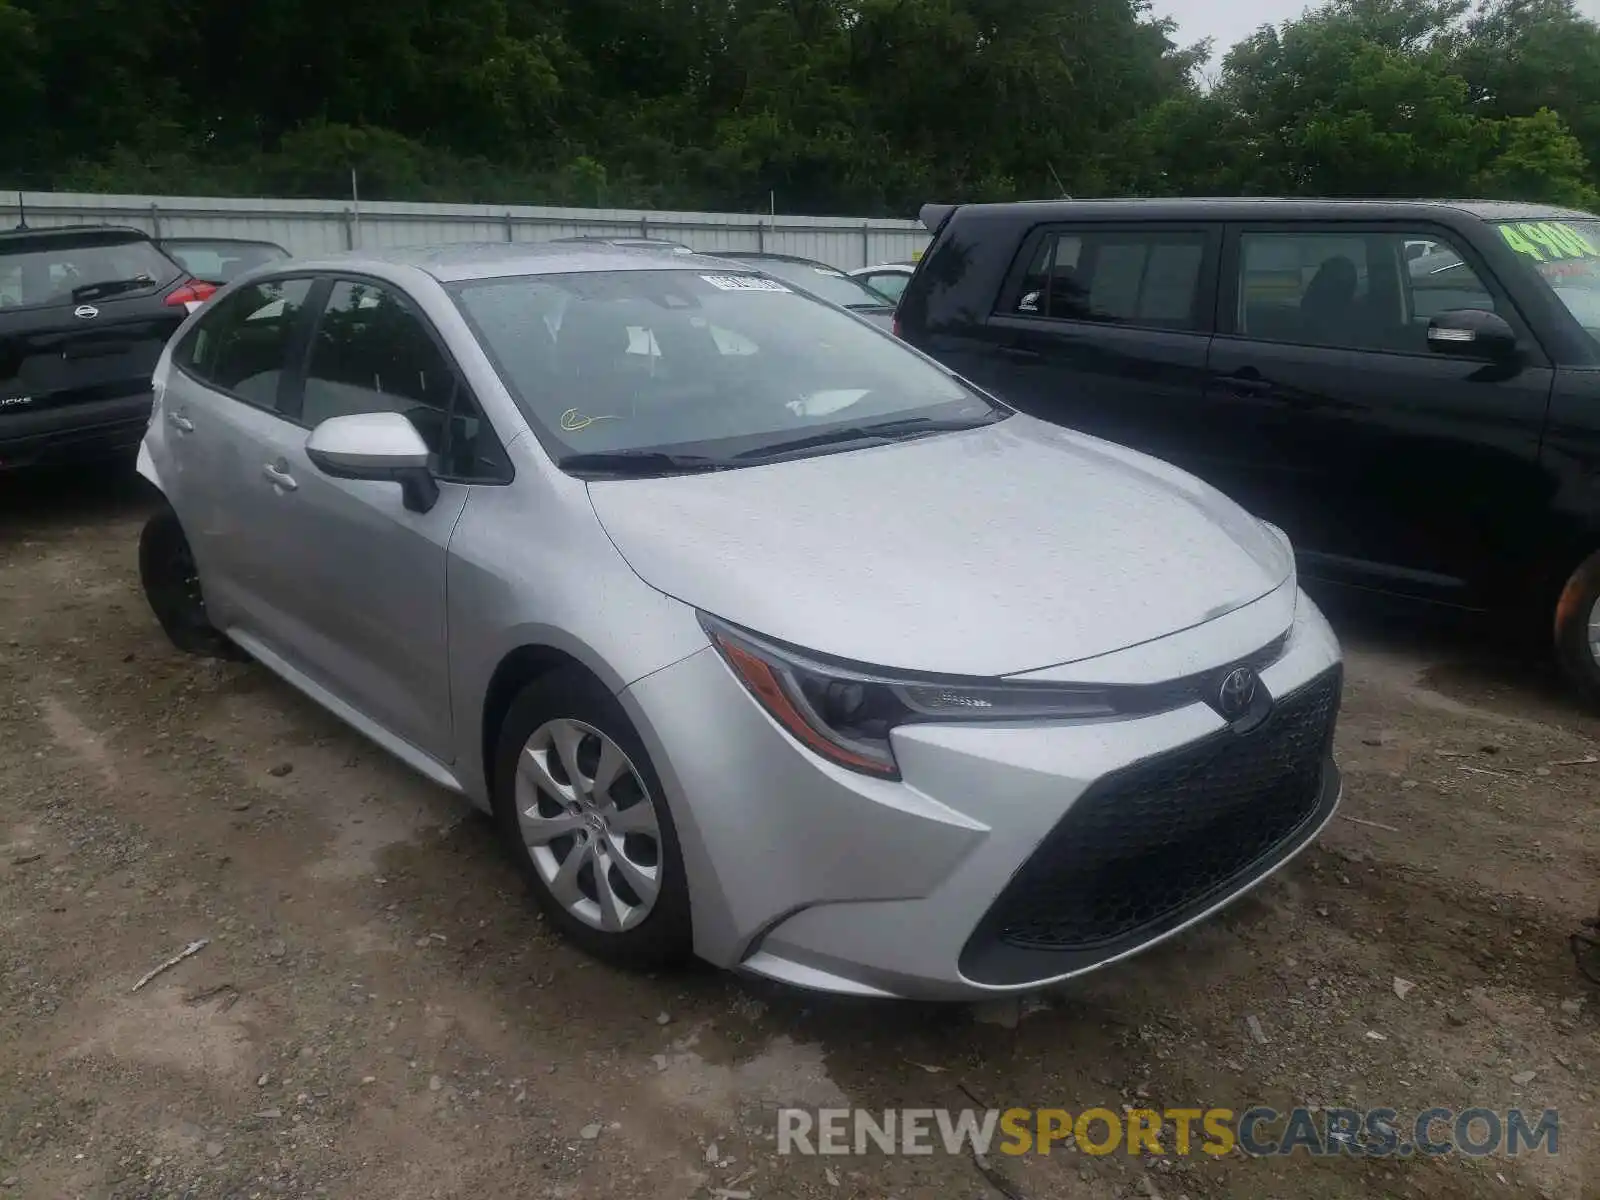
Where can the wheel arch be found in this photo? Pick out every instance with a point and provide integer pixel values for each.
(145, 465)
(517, 668)
(1574, 582)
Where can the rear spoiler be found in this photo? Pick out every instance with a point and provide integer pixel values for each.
(933, 216)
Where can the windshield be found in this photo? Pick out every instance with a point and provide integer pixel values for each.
(699, 363)
(1566, 256)
(219, 262)
(48, 270)
(821, 280)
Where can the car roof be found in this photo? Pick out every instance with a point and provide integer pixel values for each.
(43, 233)
(616, 240)
(218, 241)
(461, 261)
(1255, 208)
(770, 256)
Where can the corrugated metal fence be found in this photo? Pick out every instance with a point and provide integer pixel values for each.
(307, 227)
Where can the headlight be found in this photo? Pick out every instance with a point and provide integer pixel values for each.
(845, 713)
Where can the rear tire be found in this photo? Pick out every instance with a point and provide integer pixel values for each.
(581, 810)
(172, 589)
(1577, 629)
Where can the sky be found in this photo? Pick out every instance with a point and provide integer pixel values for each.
(1230, 21)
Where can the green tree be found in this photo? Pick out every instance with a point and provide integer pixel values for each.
(20, 88)
(1522, 56)
(1537, 158)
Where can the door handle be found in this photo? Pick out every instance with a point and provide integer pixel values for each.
(1247, 385)
(180, 422)
(1021, 354)
(279, 476)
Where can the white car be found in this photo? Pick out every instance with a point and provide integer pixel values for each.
(888, 278)
(765, 637)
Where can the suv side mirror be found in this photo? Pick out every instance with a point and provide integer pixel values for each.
(380, 446)
(1472, 333)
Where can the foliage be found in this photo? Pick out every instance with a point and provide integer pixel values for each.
(855, 106)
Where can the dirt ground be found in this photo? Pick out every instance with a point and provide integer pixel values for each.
(379, 1013)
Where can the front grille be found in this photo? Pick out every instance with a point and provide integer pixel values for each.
(1146, 846)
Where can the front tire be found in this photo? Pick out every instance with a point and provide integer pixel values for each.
(581, 809)
(172, 589)
(1577, 629)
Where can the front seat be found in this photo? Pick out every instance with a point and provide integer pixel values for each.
(592, 356)
(1328, 309)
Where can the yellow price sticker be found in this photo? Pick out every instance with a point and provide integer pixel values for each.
(1543, 241)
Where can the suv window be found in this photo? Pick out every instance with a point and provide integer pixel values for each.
(1354, 289)
(220, 262)
(240, 344)
(372, 353)
(1149, 278)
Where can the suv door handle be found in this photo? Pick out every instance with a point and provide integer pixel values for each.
(279, 476)
(180, 422)
(1021, 354)
(1247, 385)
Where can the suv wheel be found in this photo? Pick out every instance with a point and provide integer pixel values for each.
(172, 589)
(581, 809)
(1578, 628)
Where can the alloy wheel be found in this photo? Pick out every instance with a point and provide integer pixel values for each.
(589, 825)
(1594, 631)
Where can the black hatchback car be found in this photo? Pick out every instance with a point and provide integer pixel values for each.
(1410, 389)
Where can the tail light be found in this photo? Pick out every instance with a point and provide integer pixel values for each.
(894, 325)
(192, 294)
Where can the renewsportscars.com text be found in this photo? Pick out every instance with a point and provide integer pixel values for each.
(1258, 1131)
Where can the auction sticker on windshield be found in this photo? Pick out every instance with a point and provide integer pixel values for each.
(744, 283)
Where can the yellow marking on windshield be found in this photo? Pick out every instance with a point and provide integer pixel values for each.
(572, 420)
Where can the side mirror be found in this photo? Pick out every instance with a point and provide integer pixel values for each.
(1472, 333)
(381, 446)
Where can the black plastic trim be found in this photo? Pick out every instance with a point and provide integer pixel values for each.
(989, 958)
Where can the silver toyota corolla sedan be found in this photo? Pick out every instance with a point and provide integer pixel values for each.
(762, 636)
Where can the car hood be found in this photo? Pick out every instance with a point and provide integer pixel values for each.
(992, 551)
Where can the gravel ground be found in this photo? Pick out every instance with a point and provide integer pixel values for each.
(378, 1012)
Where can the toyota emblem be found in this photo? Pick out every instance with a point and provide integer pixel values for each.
(85, 311)
(1237, 692)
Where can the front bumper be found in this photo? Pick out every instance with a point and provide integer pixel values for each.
(73, 433)
(1010, 856)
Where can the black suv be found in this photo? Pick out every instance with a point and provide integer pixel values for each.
(84, 314)
(1411, 389)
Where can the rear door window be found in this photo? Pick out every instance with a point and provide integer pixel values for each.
(1140, 278)
(242, 343)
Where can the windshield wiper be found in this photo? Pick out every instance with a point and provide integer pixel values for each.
(109, 287)
(640, 462)
(881, 431)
